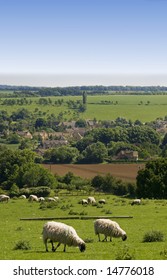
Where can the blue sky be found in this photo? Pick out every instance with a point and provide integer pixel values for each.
(73, 42)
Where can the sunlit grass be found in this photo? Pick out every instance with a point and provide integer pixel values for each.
(144, 217)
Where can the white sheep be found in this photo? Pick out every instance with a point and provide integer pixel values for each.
(91, 200)
(102, 201)
(63, 234)
(56, 198)
(49, 199)
(108, 228)
(22, 196)
(4, 198)
(41, 198)
(32, 198)
(84, 201)
(136, 201)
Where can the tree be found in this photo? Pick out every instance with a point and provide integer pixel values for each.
(13, 139)
(84, 98)
(142, 134)
(17, 168)
(36, 175)
(152, 181)
(164, 141)
(95, 153)
(40, 122)
(63, 154)
(97, 182)
(80, 123)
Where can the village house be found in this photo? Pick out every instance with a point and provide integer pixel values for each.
(161, 126)
(77, 133)
(25, 134)
(69, 124)
(92, 123)
(43, 134)
(128, 155)
(48, 144)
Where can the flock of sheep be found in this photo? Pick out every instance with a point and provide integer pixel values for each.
(67, 235)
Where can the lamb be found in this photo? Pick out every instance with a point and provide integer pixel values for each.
(63, 234)
(22, 196)
(41, 198)
(49, 199)
(32, 198)
(4, 197)
(102, 201)
(136, 202)
(84, 201)
(91, 200)
(109, 228)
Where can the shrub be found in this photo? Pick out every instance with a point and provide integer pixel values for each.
(125, 254)
(108, 212)
(48, 204)
(163, 253)
(22, 245)
(83, 213)
(72, 212)
(153, 236)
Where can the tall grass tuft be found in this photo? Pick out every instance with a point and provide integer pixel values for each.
(153, 236)
(125, 254)
(22, 245)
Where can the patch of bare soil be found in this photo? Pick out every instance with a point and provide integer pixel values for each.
(124, 171)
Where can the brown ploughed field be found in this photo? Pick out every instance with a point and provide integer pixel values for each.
(124, 171)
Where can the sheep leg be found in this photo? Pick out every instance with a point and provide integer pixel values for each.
(99, 236)
(105, 239)
(64, 248)
(53, 248)
(57, 246)
(46, 245)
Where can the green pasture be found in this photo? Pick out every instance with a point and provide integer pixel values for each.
(134, 107)
(151, 215)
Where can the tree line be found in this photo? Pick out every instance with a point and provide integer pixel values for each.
(23, 91)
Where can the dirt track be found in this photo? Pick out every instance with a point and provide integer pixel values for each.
(126, 172)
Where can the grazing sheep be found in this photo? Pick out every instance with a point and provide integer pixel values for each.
(108, 228)
(22, 196)
(4, 198)
(63, 234)
(84, 201)
(102, 201)
(32, 198)
(41, 198)
(91, 200)
(136, 202)
(49, 199)
(56, 198)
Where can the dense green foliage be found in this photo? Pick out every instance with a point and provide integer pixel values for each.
(18, 169)
(152, 181)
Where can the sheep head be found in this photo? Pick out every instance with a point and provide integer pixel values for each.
(82, 247)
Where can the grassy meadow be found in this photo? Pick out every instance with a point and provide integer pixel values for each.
(149, 216)
(134, 107)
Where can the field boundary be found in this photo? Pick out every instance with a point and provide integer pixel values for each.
(73, 218)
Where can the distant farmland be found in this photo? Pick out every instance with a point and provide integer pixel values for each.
(125, 172)
(102, 107)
